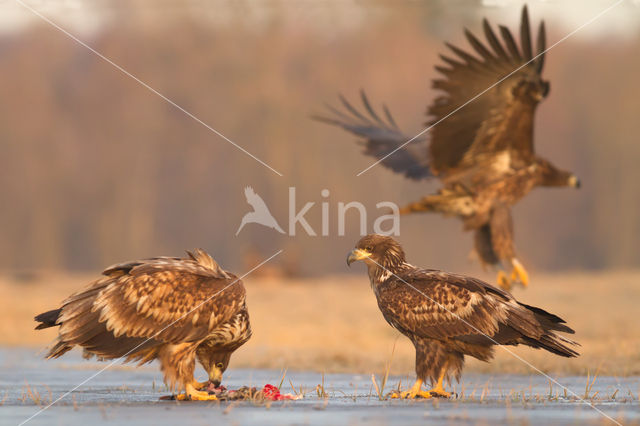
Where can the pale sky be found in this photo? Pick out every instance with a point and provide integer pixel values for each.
(85, 17)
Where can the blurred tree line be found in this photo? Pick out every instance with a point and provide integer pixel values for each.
(96, 169)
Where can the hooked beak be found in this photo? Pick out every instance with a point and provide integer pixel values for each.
(574, 182)
(357, 254)
(215, 376)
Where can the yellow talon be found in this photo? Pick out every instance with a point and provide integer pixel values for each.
(199, 385)
(437, 391)
(192, 394)
(421, 394)
(519, 273)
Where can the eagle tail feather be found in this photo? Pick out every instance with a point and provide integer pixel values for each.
(48, 319)
(554, 344)
(543, 331)
(548, 320)
(59, 349)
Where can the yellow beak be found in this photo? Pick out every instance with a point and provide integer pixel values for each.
(215, 376)
(574, 182)
(357, 254)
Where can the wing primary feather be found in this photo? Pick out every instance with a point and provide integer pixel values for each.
(493, 40)
(367, 105)
(525, 35)
(541, 47)
(379, 136)
(478, 46)
(444, 70)
(353, 111)
(511, 44)
(451, 61)
(328, 120)
(469, 59)
(390, 117)
(346, 118)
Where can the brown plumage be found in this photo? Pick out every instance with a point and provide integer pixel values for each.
(171, 309)
(447, 316)
(482, 149)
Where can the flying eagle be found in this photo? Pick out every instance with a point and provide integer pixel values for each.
(170, 309)
(481, 139)
(447, 316)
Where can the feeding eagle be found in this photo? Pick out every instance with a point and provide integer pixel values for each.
(447, 316)
(170, 309)
(481, 143)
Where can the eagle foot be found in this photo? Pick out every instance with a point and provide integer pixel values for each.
(503, 281)
(519, 274)
(196, 396)
(413, 393)
(433, 393)
(193, 394)
(439, 393)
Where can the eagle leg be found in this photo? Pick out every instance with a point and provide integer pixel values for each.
(519, 273)
(193, 394)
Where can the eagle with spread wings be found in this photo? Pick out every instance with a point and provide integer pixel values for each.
(481, 140)
(175, 310)
(447, 316)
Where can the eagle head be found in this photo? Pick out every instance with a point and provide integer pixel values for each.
(553, 176)
(378, 251)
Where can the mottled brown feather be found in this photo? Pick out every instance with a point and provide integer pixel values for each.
(163, 307)
(447, 315)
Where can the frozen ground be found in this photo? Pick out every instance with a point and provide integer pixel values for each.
(126, 396)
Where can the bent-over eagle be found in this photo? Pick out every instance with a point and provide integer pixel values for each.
(481, 140)
(447, 316)
(170, 309)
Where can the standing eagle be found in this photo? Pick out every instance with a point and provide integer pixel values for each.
(481, 144)
(447, 316)
(166, 308)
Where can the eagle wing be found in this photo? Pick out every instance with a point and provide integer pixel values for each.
(147, 303)
(381, 138)
(496, 120)
(168, 302)
(439, 305)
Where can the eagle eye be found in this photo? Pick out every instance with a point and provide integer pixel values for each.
(219, 365)
(369, 249)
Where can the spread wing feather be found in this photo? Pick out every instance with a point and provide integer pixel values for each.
(498, 119)
(382, 138)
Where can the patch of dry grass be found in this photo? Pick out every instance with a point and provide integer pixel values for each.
(332, 324)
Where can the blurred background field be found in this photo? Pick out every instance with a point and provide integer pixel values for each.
(97, 170)
(333, 324)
